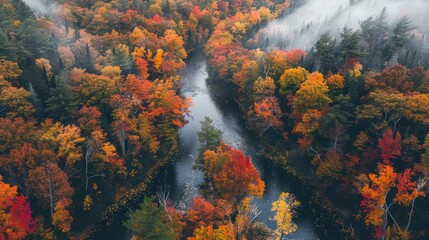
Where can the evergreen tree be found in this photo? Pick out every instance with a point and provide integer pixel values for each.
(62, 104)
(32, 42)
(375, 38)
(121, 57)
(22, 10)
(401, 32)
(90, 68)
(335, 124)
(209, 136)
(325, 54)
(150, 222)
(349, 46)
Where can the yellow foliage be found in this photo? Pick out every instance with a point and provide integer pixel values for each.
(44, 63)
(87, 203)
(335, 82)
(62, 218)
(9, 70)
(157, 60)
(284, 209)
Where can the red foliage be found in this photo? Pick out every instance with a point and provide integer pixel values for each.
(158, 19)
(390, 146)
(239, 178)
(21, 215)
(294, 56)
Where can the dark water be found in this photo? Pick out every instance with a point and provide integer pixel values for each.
(184, 180)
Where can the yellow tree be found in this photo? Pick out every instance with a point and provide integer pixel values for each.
(284, 209)
(224, 232)
(291, 79)
(311, 94)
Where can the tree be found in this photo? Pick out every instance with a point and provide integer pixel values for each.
(91, 89)
(15, 214)
(65, 140)
(401, 32)
(62, 104)
(263, 88)
(392, 79)
(276, 62)
(150, 222)
(311, 94)
(209, 136)
(14, 101)
(349, 45)
(417, 108)
(238, 178)
(377, 202)
(335, 123)
(284, 209)
(390, 146)
(120, 56)
(167, 110)
(325, 54)
(425, 156)
(100, 155)
(50, 185)
(200, 213)
(10, 71)
(23, 11)
(335, 83)
(291, 80)
(224, 232)
(62, 218)
(268, 113)
(384, 108)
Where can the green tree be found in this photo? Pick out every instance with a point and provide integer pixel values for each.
(325, 55)
(349, 45)
(62, 103)
(209, 137)
(150, 222)
(401, 32)
(22, 10)
(336, 122)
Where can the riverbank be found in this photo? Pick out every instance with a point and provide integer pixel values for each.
(327, 220)
(111, 220)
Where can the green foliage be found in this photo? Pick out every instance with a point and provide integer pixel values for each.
(401, 32)
(62, 104)
(209, 136)
(22, 10)
(150, 222)
(325, 53)
(349, 45)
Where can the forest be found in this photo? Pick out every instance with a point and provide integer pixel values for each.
(94, 110)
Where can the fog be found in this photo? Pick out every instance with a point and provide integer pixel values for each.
(41, 7)
(303, 26)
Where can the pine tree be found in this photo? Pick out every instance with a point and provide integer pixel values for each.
(325, 53)
(61, 105)
(209, 136)
(349, 45)
(401, 32)
(90, 68)
(150, 222)
(23, 11)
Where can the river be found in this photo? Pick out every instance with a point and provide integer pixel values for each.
(184, 180)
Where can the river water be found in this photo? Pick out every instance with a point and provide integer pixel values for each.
(184, 180)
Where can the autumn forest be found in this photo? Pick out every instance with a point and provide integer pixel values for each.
(214, 119)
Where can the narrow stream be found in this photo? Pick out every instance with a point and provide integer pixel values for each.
(184, 180)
